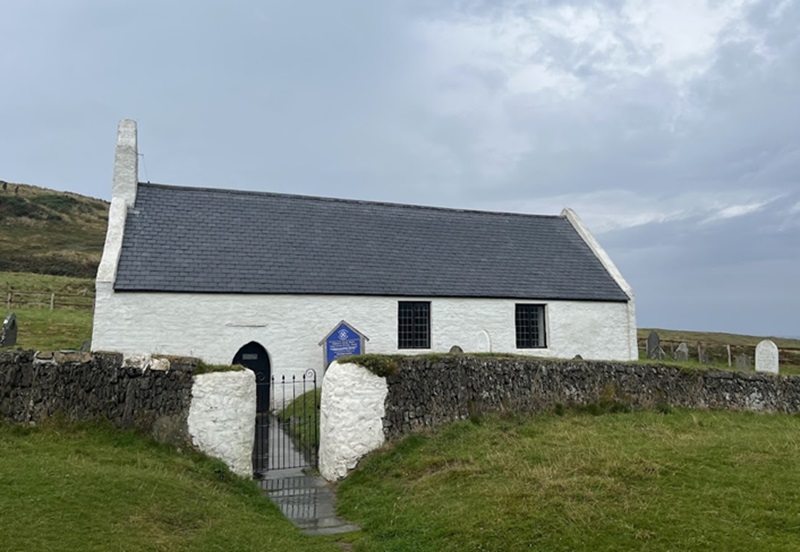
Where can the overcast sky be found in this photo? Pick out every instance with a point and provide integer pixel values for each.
(672, 128)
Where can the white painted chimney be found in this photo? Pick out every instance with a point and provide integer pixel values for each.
(123, 196)
(126, 163)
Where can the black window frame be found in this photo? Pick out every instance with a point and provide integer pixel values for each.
(413, 324)
(530, 326)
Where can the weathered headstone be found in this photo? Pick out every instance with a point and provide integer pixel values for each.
(86, 346)
(742, 362)
(654, 350)
(8, 335)
(767, 357)
(682, 353)
(456, 350)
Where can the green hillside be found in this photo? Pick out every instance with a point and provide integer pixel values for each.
(47, 232)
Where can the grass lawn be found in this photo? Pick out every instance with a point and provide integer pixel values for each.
(39, 327)
(679, 481)
(45, 330)
(67, 488)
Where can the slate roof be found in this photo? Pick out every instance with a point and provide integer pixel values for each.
(181, 239)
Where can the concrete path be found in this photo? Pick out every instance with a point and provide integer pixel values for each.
(306, 500)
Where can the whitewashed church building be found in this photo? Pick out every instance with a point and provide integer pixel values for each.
(284, 283)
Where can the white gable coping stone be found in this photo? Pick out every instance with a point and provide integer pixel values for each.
(351, 417)
(117, 213)
(222, 417)
(767, 357)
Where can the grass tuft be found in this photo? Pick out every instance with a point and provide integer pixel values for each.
(204, 368)
(380, 365)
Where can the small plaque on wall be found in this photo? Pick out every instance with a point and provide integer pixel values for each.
(343, 340)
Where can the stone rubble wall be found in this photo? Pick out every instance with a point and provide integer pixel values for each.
(84, 386)
(155, 396)
(427, 392)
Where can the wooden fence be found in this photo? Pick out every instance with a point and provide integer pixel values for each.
(49, 299)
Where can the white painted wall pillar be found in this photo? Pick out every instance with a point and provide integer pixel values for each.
(351, 417)
(222, 418)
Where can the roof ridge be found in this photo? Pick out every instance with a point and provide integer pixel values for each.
(348, 201)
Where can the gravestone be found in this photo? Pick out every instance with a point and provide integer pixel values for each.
(682, 353)
(456, 350)
(742, 362)
(702, 355)
(8, 335)
(654, 350)
(767, 357)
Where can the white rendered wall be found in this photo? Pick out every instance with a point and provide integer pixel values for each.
(605, 259)
(351, 418)
(214, 326)
(222, 418)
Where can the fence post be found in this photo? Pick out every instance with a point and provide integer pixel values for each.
(52, 301)
(10, 299)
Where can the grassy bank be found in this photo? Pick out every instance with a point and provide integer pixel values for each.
(50, 232)
(644, 481)
(67, 488)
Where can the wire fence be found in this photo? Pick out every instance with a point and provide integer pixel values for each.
(50, 299)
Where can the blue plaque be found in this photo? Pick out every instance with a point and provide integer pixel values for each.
(343, 340)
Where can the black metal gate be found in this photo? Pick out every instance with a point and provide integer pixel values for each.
(287, 423)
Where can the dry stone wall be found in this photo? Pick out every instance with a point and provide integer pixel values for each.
(83, 386)
(428, 392)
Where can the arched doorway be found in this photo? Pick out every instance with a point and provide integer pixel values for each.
(255, 357)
